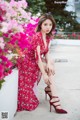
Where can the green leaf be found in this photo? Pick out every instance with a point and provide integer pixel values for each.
(1, 34)
(1, 82)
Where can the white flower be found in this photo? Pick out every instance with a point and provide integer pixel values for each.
(2, 44)
(32, 22)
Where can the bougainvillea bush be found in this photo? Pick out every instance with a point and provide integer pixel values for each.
(16, 28)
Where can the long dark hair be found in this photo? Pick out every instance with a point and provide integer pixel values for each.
(42, 19)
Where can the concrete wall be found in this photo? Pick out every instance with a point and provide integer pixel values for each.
(65, 42)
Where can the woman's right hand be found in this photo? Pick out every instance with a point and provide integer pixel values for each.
(46, 79)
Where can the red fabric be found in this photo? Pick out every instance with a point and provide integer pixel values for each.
(29, 73)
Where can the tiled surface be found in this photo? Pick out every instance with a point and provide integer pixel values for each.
(67, 80)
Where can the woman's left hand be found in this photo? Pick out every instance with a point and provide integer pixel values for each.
(50, 69)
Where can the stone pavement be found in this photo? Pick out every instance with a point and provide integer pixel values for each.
(67, 80)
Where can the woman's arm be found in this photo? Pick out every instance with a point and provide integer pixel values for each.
(48, 58)
(50, 64)
(42, 69)
(40, 63)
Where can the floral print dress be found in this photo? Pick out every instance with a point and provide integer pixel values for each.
(29, 74)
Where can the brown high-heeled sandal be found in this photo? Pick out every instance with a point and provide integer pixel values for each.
(61, 111)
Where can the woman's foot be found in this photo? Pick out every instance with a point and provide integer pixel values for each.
(55, 102)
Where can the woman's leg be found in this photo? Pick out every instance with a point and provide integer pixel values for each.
(54, 99)
(54, 91)
(50, 89)
(52, 85)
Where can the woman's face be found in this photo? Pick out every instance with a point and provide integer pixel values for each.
(46, 26)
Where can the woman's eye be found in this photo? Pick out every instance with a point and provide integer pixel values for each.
(45, 24)
(50, 25)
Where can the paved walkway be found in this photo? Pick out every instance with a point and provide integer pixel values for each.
(67, 80)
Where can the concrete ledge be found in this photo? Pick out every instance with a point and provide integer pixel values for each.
(65, 42)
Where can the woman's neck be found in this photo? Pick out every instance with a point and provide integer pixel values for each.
(43, 35)
(44, 39)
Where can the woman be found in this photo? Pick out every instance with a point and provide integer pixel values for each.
(35, 64)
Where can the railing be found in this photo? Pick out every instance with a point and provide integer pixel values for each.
(67, 35)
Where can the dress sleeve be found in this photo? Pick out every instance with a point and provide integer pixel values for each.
(35, 44)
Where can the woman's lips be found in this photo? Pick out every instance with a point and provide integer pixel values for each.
(47, 30)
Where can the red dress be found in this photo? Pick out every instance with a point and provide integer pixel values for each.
(29, 73)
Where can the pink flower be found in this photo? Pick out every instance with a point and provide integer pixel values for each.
(1, 72)
(5, 66)
(23, 4)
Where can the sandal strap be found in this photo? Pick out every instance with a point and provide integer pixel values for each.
(55, 101)
(54, 97)
(48, 87)
(47, 91)
(57, 105)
